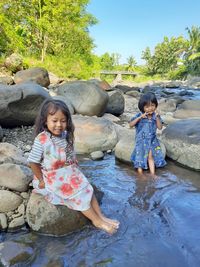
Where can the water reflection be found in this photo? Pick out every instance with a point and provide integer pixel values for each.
(160, 221)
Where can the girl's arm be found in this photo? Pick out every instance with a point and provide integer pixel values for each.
(36, 169)
(158, 121)
(136, 120)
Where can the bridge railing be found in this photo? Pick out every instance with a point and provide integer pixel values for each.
(116, 72)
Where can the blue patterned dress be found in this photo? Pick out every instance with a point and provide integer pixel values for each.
(146, 140)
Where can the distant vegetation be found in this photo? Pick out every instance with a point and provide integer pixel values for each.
(55, 35)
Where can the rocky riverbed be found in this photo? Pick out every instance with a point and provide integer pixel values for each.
(21, 137)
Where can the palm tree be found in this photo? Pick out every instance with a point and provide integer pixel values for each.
(193, 55)
(131, 62)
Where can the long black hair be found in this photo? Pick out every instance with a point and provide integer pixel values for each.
(146, 99)
(51, 106)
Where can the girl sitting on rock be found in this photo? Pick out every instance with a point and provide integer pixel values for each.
(147, 152)
(53, 162)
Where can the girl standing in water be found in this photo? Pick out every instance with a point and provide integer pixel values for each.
(147, 153)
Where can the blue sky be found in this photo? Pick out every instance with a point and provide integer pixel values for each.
(127, 27)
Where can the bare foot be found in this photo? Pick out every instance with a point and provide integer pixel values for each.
(114, 223)
(107, 227)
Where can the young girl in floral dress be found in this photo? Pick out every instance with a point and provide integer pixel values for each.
(53, 162)
(147, 152)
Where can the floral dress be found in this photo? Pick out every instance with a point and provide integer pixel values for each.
(65, 184)
(146, 140)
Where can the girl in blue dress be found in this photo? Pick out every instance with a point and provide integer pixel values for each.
(147, 153)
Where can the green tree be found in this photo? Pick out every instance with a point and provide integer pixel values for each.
(192, 56)
(106, 61)
(49, 26)
(166, 55)
(131, 62)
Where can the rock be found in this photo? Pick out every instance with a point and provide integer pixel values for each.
(116, 103)
(55, 263)
(87, 98)
(134, 93)
(3, 222)
(46, 218)
(19, 104)
(21, 209)
(9, 201)
(14, 62)
(16, 254)
(167, 105)
(11, 154)
(173, 84)
(15, 177)
(102, 84)
(124, 88)
(182, 141)
(97, 155)
(110, 117)
(25, 195)
(125, 147)
(16, 223)
(188, 109)
(92, 134)
(8, 80)
(54, 79)
(36, 74)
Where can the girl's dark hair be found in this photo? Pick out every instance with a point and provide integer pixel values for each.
(147, 99)
(51, 106)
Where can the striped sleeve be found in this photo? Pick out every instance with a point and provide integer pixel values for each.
(36, 153)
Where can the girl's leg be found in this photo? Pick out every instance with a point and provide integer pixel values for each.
(95, 205)
(97, 221)
(140, 171)
(151, 163)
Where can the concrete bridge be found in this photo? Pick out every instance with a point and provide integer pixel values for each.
(118, 73)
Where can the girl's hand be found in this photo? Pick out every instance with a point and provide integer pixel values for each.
(41, 184)
(144, 115)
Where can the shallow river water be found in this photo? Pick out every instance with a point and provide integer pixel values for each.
(160, 221)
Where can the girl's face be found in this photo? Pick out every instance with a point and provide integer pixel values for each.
(149, 108)
(56, 123)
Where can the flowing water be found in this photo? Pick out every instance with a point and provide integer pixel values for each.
(160, 221)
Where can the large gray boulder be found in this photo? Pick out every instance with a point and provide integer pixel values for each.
(11, 154)
(19, 104)
(15, 177)
(188, 109)
(125, 147)
(14, 62)
(37, 75)
(182, 141)
(93, 134)
(57, 220)
(87, 98)
(9, 201)
(116, 103)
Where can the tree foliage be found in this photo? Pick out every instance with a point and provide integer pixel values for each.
(131, 62)
(166, 55)
(109, 61)
(192, 57)
(46, 26)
